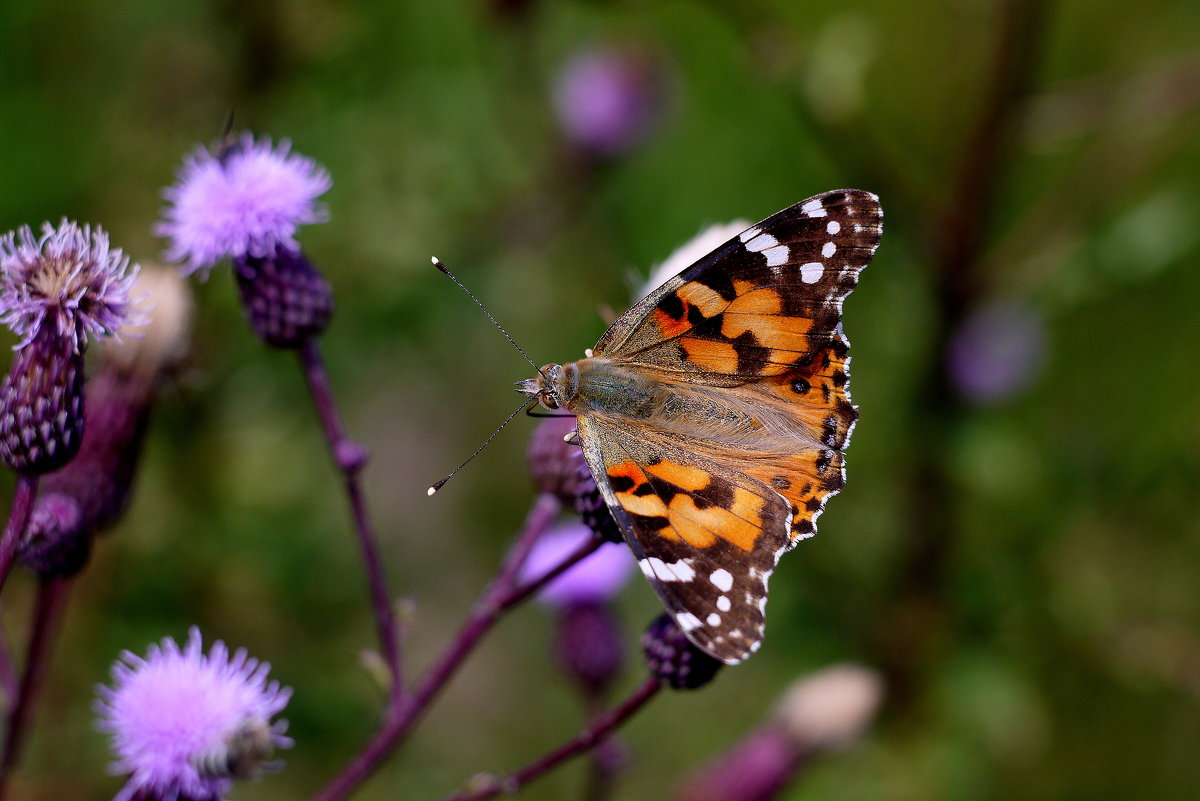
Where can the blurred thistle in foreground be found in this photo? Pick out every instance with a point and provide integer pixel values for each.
(588, 638)
(91, 492)
(56, 291)
(608, 100)
(997, 353)
(823, 712)
(245, 202)
(186, 724)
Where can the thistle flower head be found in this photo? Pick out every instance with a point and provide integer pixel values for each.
(185, 723)
(68, 278)
(608, 99)
(246, 200)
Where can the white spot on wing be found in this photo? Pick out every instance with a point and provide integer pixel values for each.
(668, 571)
(722, 579)
(828, 250)
(687, 621)
(777, 255)
(810, 272)
(761, 242)
(723, 603)
(713, 619)
(749, 233)
(833, 227)
(813, 208)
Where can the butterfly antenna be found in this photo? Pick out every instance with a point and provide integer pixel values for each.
(438, 263)
(525, 404)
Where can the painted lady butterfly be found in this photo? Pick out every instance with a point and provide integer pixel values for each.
(714, 413)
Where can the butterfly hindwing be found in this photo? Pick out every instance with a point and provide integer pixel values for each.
(706, 537)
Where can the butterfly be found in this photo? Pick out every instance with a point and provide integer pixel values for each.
(714, 413)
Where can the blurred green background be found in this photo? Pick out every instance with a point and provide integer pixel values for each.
(1018, 546)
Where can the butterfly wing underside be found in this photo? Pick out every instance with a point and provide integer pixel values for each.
(759, 317)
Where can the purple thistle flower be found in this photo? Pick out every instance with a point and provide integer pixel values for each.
(598, 577)
(185, 724)
(245, 201)
(68, 276)
(607, 100)
(997, 353)
(55, 292)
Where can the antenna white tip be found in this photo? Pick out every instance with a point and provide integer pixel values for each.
(434, 259)
(431, 490)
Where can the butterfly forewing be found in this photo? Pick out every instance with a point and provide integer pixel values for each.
(762, 303)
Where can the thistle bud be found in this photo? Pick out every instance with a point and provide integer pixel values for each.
(287, 302)
(55, 542)
(673, 659)
(589, 646)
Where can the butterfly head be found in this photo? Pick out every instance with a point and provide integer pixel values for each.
(553, 387)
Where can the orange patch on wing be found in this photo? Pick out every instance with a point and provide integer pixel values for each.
(668, 326)
(704, 353)
(739, 526)
(627, 469)
(704, 298)
(757, 301)
(686, 477)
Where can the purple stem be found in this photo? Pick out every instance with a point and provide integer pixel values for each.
(18, 518)
(501, 595)
(594, 734)
(350, 457)
(51, 601)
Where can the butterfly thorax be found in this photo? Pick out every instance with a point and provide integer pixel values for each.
(636, 394)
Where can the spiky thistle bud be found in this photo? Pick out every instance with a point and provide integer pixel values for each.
(674, 659)
(245, 202)
(287, 302)
(55, 292)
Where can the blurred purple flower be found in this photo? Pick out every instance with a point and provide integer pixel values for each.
(597, 578)
(69, 276)
(607, 99)
(997, 352)
(246, 200)
(185, 724)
